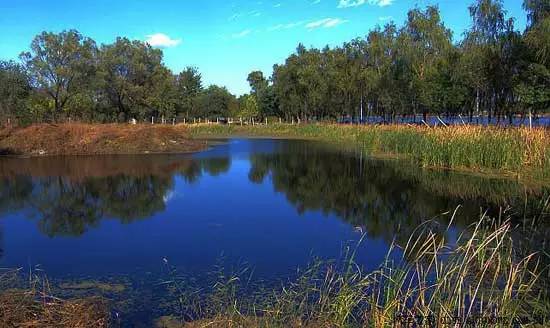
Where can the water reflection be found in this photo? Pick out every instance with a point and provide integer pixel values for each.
(387, 198)
(271, 204)
(67, 196)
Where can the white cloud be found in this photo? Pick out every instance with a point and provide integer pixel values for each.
(385, 18)
(325, 23)
(357, 3)
(234, 17)
(241, 34)
(285, 26)
(162, 40)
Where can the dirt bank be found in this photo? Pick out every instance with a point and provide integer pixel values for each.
(91, 139)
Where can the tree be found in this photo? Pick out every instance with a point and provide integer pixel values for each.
(263, 92)
(249, 107)
(60, 65)
(215, 102)
(189, 86)
(135, 81)
(14, 90)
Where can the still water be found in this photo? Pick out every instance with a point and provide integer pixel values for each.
(268, 205)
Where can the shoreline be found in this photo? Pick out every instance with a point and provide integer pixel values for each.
(523, 155)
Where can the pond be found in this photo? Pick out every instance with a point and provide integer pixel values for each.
(270, 206)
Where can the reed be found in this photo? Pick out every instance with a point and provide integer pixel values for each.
(517, 150)
(479, 276)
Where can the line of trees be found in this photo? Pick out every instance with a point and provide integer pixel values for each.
(408, 71)
(67, 75)
(417, 69)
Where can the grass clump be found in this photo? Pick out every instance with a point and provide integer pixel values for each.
(479, 276)
(34, 306)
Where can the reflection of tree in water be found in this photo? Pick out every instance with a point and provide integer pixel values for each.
(129, 198)
(216, 166)
(14, 193)
(1, 243)
(64, 208)
(384, 197)
(70, 205)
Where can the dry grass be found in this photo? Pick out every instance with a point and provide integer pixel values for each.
(34, 306)
(27, 309)
(84, 139)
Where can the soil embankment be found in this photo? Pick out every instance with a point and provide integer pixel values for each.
(93, 139)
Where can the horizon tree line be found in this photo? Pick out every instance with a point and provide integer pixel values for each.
(413, 70)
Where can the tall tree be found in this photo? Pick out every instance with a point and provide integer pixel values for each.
(189, 86)
(135, 81)
(60, 65)
(14, 90)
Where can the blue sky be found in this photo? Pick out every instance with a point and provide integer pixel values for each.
(224, 39)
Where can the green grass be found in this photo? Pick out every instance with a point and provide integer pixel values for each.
(516, 150)
(481, 275)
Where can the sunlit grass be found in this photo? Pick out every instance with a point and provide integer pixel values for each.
(480, 274)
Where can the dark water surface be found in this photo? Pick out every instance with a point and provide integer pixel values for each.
(268, 205)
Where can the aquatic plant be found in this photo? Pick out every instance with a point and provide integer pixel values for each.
(479, 276)
(517, 150)
(482, 274)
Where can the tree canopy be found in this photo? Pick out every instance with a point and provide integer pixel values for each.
(396, 71)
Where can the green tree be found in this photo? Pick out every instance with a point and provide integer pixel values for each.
(249, 108)
(14, 90)
(189, 86)
(135, 81)
(60, 65)
(216, 101)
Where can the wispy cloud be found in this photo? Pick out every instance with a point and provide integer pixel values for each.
(357, 3)
(286, 26)
(253, 13)
(315, 2)
(241, 34)
(325, 23)
(234, 17)
(161, 40)
(385, 18)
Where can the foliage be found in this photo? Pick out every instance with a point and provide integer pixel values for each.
(411, 70)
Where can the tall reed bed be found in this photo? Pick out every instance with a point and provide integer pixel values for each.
(433, 282)
(470, 147)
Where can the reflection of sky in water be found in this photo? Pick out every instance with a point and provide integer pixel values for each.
(222, 214)
(298, 208)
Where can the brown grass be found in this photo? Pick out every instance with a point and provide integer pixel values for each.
(91, 139)
(21, 308)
